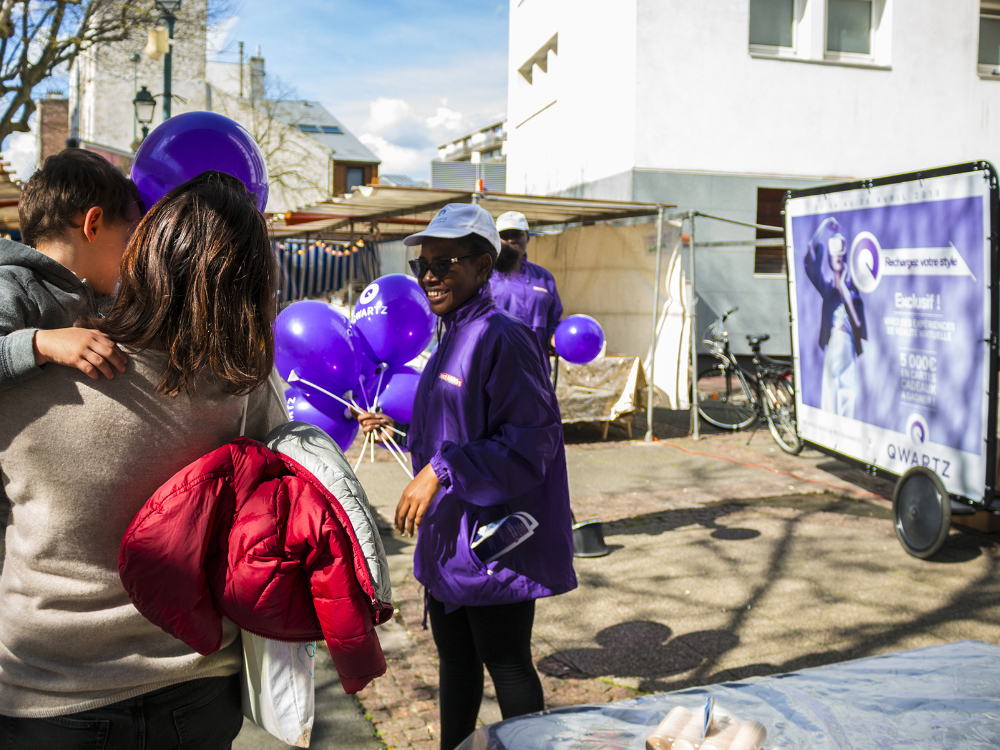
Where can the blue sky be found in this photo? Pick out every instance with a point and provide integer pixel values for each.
(403, 76)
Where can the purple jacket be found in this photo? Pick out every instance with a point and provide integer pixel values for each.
(486, 419)
(531, 297)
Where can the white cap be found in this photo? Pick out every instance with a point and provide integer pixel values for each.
(457, 220)
(512, 220)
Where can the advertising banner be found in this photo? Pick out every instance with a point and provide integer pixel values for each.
(890, 301)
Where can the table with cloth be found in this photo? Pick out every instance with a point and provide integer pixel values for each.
(606, 389)
(945, 696)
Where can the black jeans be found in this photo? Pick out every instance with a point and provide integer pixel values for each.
(197, 715)
(498, 636)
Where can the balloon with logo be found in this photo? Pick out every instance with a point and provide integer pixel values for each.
(341, 428)
(312, 339)
(194, 142)
(399, 387)
(394, 319)
(579, 339)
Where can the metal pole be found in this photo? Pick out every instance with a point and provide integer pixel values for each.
(695, 425)
(169, 18)
(656, 315)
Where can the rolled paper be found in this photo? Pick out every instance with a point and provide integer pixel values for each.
(655, 742)
(722, 740)
(673, 723)
(750, 737)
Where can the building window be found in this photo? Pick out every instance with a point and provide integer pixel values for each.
(355, 178)
(989, 37)
(770, 258)
(772, 22)
(309, 128)
(331, 130)
(849, 26)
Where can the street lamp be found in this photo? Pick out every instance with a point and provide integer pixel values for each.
(145, 106)
(168, 8)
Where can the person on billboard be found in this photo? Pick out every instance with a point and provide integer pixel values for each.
(842, 326)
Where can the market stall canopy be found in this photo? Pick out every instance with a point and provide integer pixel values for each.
(10, 194)
(389, 211)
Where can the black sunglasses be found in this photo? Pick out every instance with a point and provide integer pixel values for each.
(439, 267)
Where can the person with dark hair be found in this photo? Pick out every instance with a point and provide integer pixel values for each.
(79, 665)
(486, 442)
(76, 215)
(522, 288)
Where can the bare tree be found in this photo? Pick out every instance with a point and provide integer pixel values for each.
(39, 38)
(298, 167)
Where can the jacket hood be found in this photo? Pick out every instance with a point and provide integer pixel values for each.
(15, 254)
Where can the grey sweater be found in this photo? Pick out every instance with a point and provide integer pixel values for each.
(79, 457)
(35, 292)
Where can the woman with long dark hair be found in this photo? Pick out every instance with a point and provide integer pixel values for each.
(79, 666)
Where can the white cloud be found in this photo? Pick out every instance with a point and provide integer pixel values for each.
(447, 119)
(406, 136)
(217, 34)
(22, 154)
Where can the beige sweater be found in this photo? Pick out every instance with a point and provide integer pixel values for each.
(78, 459)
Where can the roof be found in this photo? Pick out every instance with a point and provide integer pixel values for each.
(394, 211)
(399, 180)
(329, 131)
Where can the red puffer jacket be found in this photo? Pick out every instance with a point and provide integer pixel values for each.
(249, 534)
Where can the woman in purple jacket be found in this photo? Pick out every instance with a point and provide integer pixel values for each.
(486, 441)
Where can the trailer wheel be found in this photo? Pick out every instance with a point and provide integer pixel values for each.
(921, 507)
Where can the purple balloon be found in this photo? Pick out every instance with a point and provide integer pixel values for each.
(394, 318)
(399, 386)
(366, 357)
(579, 339)
(194, 142)
(311, 338)
(342, 429)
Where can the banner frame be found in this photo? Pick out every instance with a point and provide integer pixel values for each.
(989, 496)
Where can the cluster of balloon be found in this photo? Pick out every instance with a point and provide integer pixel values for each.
(579, 339)
(194, 142)
(332, 364)
(394, 323)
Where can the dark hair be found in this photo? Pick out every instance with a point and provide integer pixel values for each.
(68, 185)
(479, 245)
(199, 278)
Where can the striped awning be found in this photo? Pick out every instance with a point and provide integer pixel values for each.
(312, 269)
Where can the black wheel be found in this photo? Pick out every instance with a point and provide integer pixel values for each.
(779, 408)
(922, 509)
(727, 398)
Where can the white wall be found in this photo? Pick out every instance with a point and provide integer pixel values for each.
(575, 123)
(699, 102)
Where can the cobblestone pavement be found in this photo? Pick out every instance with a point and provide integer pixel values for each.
(727, 561)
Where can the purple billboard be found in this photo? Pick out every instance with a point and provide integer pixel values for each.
(890, 307)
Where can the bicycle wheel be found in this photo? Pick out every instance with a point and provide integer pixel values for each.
(726, 398)
(779, 409)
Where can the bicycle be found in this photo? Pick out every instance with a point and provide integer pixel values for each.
(732, 398)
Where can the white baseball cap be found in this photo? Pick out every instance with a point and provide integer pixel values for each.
(457, 220)
(512, 220)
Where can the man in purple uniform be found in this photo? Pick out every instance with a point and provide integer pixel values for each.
(525, 290)
(487, 443)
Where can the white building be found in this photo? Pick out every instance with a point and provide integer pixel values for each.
(473, 157)
(720, 106)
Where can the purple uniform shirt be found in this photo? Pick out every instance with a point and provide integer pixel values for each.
(486, 419)
(530, 296)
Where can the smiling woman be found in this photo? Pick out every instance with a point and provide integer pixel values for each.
(486, 442)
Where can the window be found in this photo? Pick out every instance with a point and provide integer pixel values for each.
(989, 37)
(355, 178)
(849, 26)
(330, 130)
(309, 128)
(770, 258)
(772, 22)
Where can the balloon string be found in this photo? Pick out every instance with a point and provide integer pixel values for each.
(293, 378)
(398, 458)
(362, 455)
(378, 388)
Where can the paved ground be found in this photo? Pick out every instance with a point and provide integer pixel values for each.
(728, 561)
